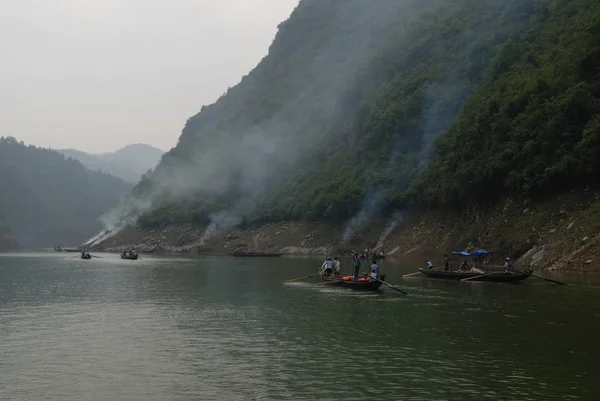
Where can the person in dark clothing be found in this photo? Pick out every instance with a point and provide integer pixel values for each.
(357, 263)
(446, 263)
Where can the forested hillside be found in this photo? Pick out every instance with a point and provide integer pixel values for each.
(346, 111)
(46, 199)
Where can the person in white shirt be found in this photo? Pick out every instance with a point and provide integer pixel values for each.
(374, 269)
(336, 266)
(327, 267)
(429, 264)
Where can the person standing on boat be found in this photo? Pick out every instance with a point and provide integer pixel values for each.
(336, 267)
(356, 260)
(327, 267)
(446, 263)
(374, 269)
(508, 266)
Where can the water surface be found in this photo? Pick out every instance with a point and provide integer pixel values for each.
(208, 328)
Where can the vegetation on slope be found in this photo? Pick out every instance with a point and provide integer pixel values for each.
(349, 103)
(533, 129)
(47, 200)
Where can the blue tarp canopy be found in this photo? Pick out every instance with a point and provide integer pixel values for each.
(476, 254)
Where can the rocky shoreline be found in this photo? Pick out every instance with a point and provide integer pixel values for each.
(560, 234)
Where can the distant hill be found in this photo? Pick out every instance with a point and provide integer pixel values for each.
(128, 163)
(47, 199)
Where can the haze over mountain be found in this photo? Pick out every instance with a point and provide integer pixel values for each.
(47, 199)
(128, 163)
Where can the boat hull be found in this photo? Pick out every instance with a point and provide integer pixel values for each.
(86, 257)
(494, 277)
(130, 257)
(357, 285)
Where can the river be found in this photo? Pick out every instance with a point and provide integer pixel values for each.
(219, 328)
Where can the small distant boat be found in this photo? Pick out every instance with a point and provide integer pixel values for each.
(130, 255)
(364, 283)
(58, 248)
(255, 254)
(86, 256)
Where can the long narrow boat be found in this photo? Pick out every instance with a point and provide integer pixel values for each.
(499, 277)
(364, 283)
(255, 254)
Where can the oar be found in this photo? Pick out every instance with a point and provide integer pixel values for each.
(542, 278)
(329, 282)
(411, 274)
(301, 278)
(389, 285)
(476, 277)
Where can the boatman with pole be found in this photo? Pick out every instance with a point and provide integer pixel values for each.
(356, 261)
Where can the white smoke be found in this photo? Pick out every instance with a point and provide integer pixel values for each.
(370, 207)
(394, 221)
(119, 218)
(222, 219)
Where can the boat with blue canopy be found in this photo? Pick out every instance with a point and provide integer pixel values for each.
(474, 273)
(477, 254)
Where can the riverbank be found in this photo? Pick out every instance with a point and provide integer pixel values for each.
(558, 234)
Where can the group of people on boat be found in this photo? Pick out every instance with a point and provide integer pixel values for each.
(464, 267)
(129, 254)
(333, 267)
(85, 254)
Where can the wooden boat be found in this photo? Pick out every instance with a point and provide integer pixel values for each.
(130, 256)
(255, 254)
(499, 277)
(364, 283)
(86, 256)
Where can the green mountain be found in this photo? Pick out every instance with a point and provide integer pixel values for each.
(128, 163)
(362, 107)
(46, 199)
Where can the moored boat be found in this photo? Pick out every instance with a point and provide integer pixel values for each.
(499, 277)
(364, 283)
(255, 254)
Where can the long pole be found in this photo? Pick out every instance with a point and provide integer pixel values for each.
(389, 285)
(542, 278)
(302, 278)
(476, 277)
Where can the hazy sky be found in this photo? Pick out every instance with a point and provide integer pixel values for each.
(99, 74)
